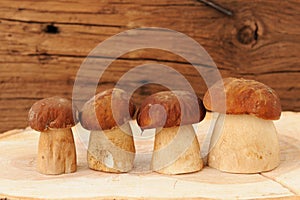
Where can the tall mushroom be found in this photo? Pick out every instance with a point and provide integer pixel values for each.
(53, 117)
(176, 147)
(244, 138)
(111, 146)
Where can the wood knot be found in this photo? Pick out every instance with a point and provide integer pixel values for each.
(247, 35)
(51, 29)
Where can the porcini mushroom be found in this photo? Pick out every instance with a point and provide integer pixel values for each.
(111, 146)
(176, 147)
(244, 138)
(53, 117)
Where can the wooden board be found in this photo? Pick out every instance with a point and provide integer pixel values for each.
(18, 177)
(43, 44)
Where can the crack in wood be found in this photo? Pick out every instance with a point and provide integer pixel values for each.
(53, 12)
(166, 61)
(269, 72)
(20, 98)
(172, 5)
(280, 183)
(126, 59)
(62, 23)
(255, 35)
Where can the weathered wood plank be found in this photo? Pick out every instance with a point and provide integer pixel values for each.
(21, 88)
(58, 72)
(220, 36)
(44, 43)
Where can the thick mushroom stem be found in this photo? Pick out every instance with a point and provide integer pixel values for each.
(176, 151)
(243, 144)
(56, 152)
(111, 150)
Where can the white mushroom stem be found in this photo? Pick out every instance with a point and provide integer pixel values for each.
(176, 151)
(243, 144)
(111, 150)
(56, 152)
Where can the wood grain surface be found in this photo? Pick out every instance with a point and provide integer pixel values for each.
(19, 178)
(43, 44)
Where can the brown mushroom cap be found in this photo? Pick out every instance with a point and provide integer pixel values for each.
(245, 97)
(54, 112)
(97, 113)
(172, 114)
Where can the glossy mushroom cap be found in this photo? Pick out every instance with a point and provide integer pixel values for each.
(245, 97)
(163, 109)
(54, 112)
(97, 113)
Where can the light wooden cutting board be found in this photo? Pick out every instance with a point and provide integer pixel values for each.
(19, 179)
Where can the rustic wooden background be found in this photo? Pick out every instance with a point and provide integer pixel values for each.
(43, 44)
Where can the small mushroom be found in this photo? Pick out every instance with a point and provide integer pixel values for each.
(244, 139)
(53, 117)
(111, 146)
(176, 147)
